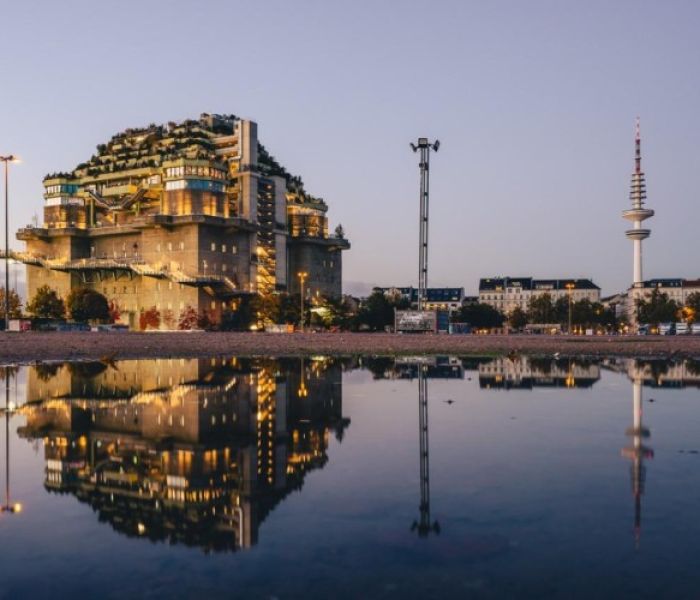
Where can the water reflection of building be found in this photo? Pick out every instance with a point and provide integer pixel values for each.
(658, 372)
(524, 372)
(190, 451)
(637, 453)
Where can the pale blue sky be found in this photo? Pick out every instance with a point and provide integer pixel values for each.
(534, 103)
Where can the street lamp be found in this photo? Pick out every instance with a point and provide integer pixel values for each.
(569, 286)
(302, 275)
(7, 159)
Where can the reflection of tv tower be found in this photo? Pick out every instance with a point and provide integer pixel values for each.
(637, 452)
(424, 526)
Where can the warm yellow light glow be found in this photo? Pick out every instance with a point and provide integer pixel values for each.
(17, 507)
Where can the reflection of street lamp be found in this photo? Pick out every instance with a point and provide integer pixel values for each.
(570, 286)
(7, 159)
(7, 507)
(302, 275)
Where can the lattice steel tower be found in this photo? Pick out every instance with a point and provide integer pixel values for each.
(425, 147)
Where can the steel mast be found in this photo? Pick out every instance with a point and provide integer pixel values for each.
(425, 147)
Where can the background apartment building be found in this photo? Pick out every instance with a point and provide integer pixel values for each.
(194, 214)
(508, 293)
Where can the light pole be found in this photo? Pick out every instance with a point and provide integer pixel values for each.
(7, 159)
(569, 286)
(425, 147)
(302, 275)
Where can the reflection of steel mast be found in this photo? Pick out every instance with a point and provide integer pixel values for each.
(423, 526)
(637, 452)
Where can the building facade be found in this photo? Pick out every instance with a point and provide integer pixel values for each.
(507, 293)
(435, 298)
(677, 289)
(193, 214)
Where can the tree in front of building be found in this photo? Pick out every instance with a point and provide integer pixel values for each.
(266, 308)
(657, 308)
(517, 318)
(46, 304)
(115, 312)
(149, 319)
(168, 319)
(15, 304)
(480, 316)
(84, 304)
(377, 312)
(188, 318)
(239, 317)
(691, 310)
(541, 310)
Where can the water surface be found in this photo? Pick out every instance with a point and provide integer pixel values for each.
(370, 478)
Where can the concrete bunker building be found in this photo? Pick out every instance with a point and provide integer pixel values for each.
(193, 214)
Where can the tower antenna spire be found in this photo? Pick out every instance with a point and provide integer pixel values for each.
(637, 148)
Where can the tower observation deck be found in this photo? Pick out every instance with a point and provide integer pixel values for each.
(637, 214)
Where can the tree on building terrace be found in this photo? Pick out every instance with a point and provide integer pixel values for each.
(46, 304)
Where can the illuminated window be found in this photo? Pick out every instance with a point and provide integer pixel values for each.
(213, 247)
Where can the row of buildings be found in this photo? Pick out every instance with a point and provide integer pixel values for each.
(193, 214)
(502, 293)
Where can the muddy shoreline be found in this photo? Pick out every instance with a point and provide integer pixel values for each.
(52, 346)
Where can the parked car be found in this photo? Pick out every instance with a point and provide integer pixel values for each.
(73, 327)
(695, 329)
(667, 329)
(643, 330)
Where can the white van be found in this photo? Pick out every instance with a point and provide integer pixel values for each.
(682, 328)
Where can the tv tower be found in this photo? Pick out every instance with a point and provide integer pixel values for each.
(638, 214)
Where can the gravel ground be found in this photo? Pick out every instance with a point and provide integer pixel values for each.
(37, 346)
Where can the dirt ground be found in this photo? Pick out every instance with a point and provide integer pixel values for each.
(36, 346)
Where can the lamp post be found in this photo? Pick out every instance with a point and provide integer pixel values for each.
(302, 275)
(7, 159)
(569, 286)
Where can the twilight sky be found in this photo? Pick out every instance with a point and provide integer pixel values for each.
(533, 102)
